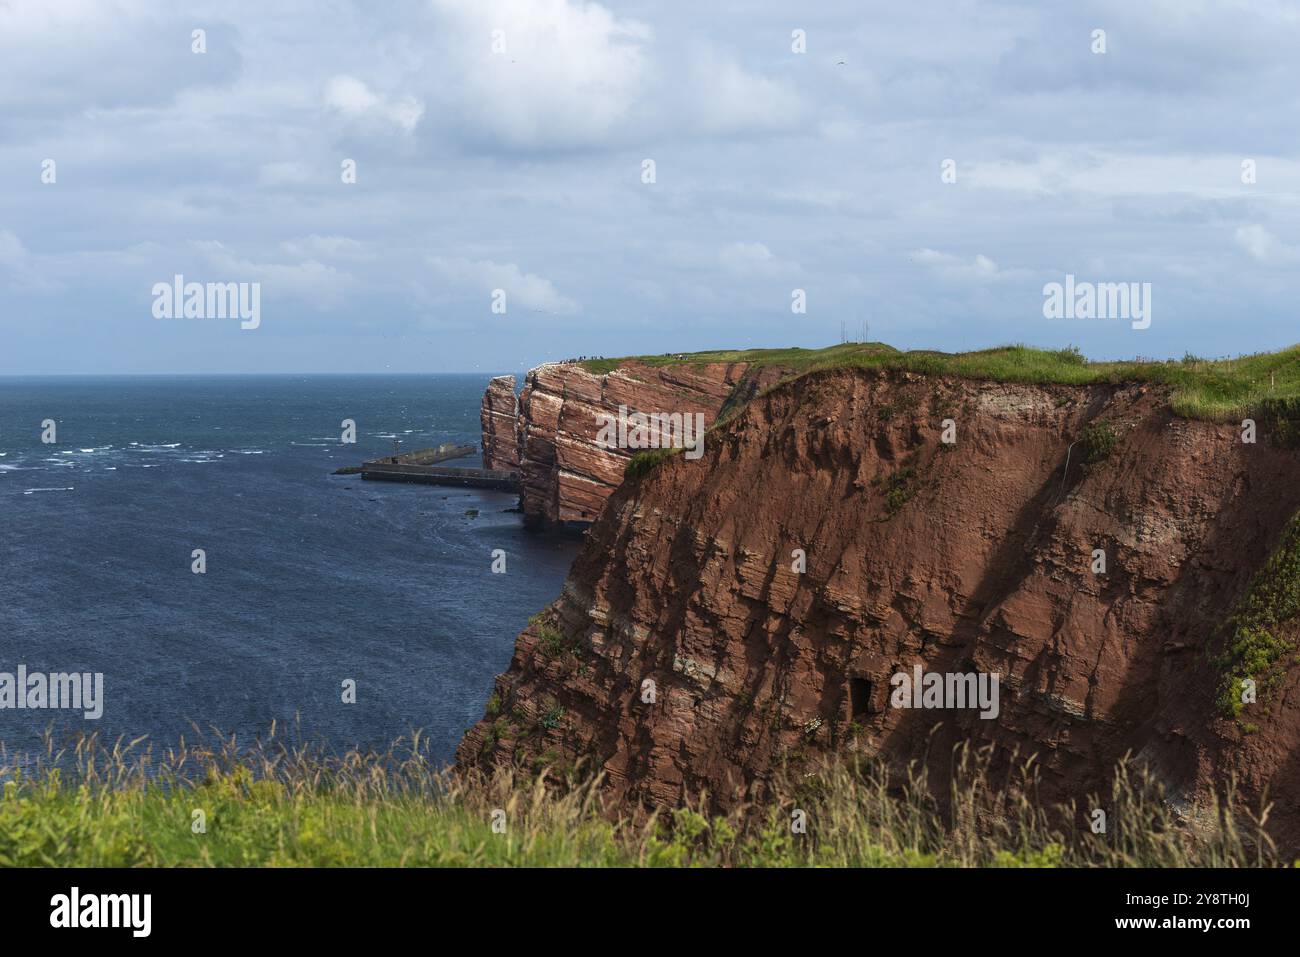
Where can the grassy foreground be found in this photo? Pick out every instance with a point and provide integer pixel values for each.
(272, 805)
(1266, 385)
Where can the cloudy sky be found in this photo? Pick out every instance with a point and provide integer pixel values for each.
(501, 144)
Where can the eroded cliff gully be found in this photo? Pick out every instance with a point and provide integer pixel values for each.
(974, 556)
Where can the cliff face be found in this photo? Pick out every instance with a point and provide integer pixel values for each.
(499, 417)
(972, 557)
(566, 475)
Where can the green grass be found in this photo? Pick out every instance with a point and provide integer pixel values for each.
(643, 462)
(277, 806)
(1280, 420)
(1264, 385)
(1253, 646)
(794, 358)
(554, 643)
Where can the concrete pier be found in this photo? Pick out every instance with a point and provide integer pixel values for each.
(385, 471)
(442, 453)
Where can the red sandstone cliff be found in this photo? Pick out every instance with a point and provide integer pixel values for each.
(499, 417)
(566, 475)
(975, 556)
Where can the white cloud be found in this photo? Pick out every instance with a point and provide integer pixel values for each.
(288, 173)
(725, 98)
(746, 255)
(569, 74)
(1099, 173)
(352, 98)
(313, 246)
(12, 251)
(978, 268)
(575, 75)
(19, 267)
(1263, 247)
(75, 56)
(525, 289)
(309, 280)
(752, 258)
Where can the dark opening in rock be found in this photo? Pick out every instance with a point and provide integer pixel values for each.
(860, 696)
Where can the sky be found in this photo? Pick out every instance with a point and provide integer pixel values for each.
(920, 170)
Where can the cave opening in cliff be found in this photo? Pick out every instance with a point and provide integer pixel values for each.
(860, 697)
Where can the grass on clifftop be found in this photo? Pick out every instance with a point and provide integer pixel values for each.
(1266, 385)
(793, 358)
(278, 806)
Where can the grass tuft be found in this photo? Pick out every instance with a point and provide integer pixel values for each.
(643, 462)
(554, 643)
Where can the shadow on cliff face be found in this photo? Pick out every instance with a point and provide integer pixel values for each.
(1151, 684)
(978, 638)
(1259, 754)
(977, 558)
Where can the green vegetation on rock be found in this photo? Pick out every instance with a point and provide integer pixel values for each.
(555, 643)
(1253, 646)
(1097, 443)
(899, 489)
(643, 462)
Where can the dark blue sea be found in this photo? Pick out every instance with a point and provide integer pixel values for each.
(312, 579)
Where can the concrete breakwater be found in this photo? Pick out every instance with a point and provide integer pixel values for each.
(499, 479)
(423, 465)
(420, 457)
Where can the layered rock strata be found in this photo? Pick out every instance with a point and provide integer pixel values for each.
(499, 418)
(566, 471)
